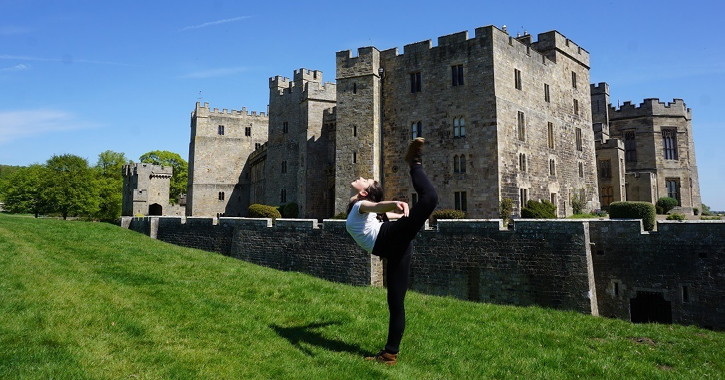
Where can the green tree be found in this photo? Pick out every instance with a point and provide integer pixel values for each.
(109, 183)
(69, 186)
(181, 170)
(23, 190)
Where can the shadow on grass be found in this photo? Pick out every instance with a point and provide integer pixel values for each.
(309, 334)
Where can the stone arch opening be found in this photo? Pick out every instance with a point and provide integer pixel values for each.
(649, 307)
(155, 210)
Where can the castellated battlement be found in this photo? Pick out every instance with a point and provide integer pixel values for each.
(367, 62)
(147, 170)
(309, 81)
(651, 107)
(555, 41)
(602, 88)
(200, 110)
(306, 75)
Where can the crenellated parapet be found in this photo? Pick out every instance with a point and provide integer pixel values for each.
(367, 62)
(651, 107)
(308, 82)
(206, 111)
(602, 88)
(554, 41)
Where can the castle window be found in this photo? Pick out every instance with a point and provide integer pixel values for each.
(257, 146)
(354, 130)
(547, 98)
(630, 147)
(523, 197)
(457, 75)
(573, 79)
(581, 170)
(685, 293)
(552, 198)
(550, 132)
(285, 127)
(459, 164)
(605, 169)
(522, 162)
(247, 131)
(284, 166)
(521, 126)
(673, 188)
(416, 130)
(576, 107)
(552, 167)
(578, 133)
(607, 195)
(517, 79)
(354, 88)
(415, 81)
(221, 195)
(459, 127)
(283, 196)
(354, 157)
(669, 143)
(220, 130)
(460, 201)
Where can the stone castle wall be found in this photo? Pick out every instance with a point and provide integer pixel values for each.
(563, 264)
(219, 175)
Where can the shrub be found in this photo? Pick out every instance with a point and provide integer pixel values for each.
(659, 210)
(706, 210)
(667, 204)
(578, 203)
(340, 215)
(447, 214)
(290, 210)
(539, 210)
(696, 211)
(709, 217)
(634, 210)
(676, 216)
(263, 211)
(505, 209)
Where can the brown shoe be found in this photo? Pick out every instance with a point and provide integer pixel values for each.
(415, 152)
(384, 357)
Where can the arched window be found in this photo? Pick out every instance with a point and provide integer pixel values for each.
(416, 130)
(462, 122)
(456, 164)
(456, 127)
(463, 163)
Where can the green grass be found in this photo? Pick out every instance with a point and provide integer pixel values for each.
(93, 301)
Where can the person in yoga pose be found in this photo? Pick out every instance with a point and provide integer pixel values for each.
(392, 240)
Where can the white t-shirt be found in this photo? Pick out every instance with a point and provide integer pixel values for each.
(363, 228)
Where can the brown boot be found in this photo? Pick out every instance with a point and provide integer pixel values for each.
(415, 152)
(384, 357)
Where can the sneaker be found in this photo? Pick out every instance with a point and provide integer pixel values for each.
(415, 152)
(384, 357)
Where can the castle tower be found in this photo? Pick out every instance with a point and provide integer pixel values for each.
(219, 176)
(145, 189)
(358, 139)
(298, 160)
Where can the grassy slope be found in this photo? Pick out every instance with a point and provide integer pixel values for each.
(93, 301)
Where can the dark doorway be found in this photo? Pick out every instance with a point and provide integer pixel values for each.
(155, 210)
(650, 307)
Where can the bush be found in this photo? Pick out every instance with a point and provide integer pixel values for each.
(667, 204)
(263, 211)
(505, 209)
(578, 203)
(447, 214)
(676, 216)
(539, 210)
(634, 210)
(706, 210)
(340, 215)
(290, 210)
(696, 211)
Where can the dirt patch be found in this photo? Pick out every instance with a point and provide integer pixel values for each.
(643, 340)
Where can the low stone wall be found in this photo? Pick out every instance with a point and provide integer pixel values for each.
(598, 267)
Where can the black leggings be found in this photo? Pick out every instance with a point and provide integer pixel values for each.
(395, 243)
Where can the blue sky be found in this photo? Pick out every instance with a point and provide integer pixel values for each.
(82, 77)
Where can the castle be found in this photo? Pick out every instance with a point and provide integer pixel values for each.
(503, 117)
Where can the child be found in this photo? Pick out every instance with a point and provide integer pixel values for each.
(392, 240)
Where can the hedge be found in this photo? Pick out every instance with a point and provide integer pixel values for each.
(263, 211)
(447, 214)
(634, 210)
(539, 210)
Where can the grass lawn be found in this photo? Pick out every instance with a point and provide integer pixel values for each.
(93, 301)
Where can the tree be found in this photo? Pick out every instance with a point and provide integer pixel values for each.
(22, 192)
(181, 170)
(109, 182)
(69, 186)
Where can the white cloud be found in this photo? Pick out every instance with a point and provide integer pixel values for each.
(16, 125)
(214, 73)
(19, 67)
(211, 23)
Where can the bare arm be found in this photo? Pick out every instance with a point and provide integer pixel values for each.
(384, 207)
